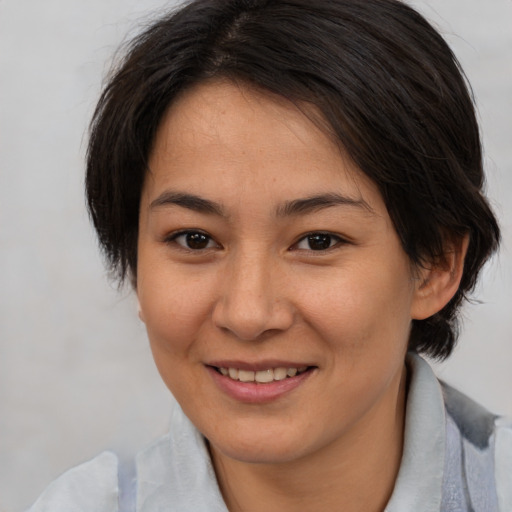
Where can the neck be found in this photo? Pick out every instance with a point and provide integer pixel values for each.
(356, 472)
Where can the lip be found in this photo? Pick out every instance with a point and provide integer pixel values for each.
(258, 365)
(256, 393)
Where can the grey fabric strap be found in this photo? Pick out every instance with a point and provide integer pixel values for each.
(127, 478)
(468, 483)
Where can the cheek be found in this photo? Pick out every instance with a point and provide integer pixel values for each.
(360, 305)
(176, 310)
(175, 306)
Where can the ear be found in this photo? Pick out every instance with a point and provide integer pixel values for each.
(139, 311)
(438, 283)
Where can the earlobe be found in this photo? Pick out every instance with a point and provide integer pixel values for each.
(139, 311)
(436, 285)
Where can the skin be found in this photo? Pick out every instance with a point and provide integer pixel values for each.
(255, 291)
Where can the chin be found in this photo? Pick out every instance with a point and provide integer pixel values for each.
(258, 453)
(264, 445)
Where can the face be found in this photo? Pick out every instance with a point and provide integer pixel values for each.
(275, 292)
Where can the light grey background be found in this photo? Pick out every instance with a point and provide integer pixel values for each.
(76, 374)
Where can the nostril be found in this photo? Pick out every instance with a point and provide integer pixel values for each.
(245, 321)
(253, 319)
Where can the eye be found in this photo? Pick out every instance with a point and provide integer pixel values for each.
(318, 242)
(194, 240)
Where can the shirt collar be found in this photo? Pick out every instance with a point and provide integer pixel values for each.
(419, 483)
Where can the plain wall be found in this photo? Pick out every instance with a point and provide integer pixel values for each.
(76, 374)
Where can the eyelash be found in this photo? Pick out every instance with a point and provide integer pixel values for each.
(202, 237)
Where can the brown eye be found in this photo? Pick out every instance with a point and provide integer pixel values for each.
(318, 242)
(197, 241)
(194, 240)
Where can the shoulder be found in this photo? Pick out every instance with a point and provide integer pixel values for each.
(486, 441)
(503, 461)
(92, 485)
(475, 423)
(473, 445)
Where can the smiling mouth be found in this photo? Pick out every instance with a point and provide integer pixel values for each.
(262, 376)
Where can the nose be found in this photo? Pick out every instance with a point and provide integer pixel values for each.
(251, 301)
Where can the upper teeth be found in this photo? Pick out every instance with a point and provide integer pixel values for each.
(261, 376)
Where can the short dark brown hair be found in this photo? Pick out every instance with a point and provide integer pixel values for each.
(392, 93)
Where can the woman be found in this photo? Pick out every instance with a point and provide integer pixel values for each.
(294, 190)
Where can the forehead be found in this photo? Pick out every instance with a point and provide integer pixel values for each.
(222, 112)
(228, 138)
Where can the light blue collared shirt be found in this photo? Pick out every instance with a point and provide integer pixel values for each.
(457, 457)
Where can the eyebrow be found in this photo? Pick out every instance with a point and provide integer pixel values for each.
(319, 202)
(300, 206)
(189, 201)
